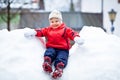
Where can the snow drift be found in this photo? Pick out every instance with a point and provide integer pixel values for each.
(98, 59)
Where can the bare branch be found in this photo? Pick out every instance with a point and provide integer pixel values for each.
(11, 1)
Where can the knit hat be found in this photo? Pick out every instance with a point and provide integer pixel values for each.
(56, 14)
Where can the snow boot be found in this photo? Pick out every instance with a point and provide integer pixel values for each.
(58, 71)
(47, 67)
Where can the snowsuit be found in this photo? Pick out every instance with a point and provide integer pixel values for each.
(58, 43)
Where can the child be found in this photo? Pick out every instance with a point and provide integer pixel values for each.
(58, 43)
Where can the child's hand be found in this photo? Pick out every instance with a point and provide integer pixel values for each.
(29, 33)
(79, 40)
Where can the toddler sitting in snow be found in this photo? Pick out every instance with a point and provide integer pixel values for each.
(58, 37)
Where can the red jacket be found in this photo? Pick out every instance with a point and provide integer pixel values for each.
(57, 37)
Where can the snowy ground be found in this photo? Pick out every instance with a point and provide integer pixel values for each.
(97, 59)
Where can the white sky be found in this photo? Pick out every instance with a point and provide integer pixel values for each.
(91, 5)
(87, 5)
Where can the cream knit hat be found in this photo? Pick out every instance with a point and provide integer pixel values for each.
(56, 14)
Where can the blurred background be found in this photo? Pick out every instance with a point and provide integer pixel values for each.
(18, 14)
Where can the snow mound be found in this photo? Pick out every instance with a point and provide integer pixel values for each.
(97, 59)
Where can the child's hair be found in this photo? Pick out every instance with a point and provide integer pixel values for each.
(55, 14)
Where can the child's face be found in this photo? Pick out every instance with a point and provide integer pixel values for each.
(55, 22)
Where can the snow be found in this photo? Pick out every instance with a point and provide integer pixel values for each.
(97, 59)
